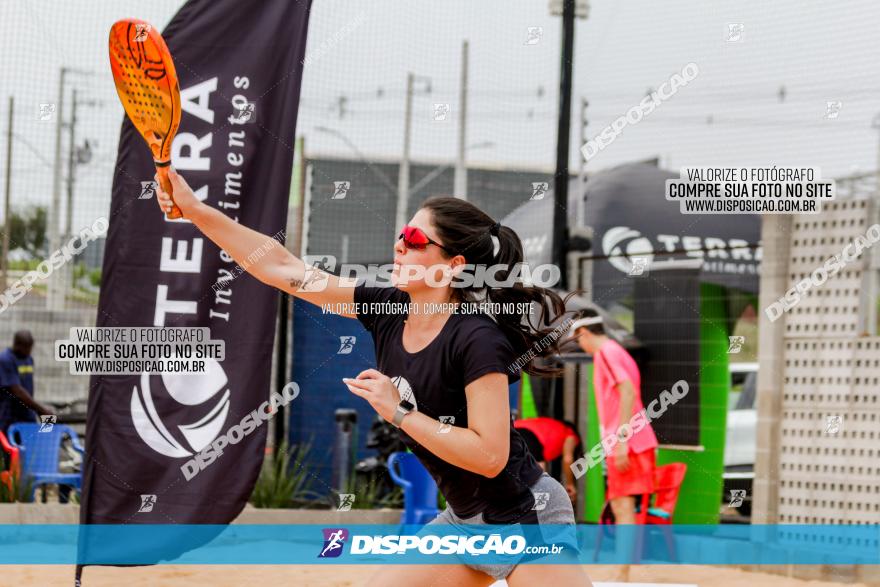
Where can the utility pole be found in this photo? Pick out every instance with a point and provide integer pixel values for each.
(55, 291)
(4, 261)
(403, 175)
(71, 167)
(74, 158)
(461, 164)
(66, 271)
(57, 285)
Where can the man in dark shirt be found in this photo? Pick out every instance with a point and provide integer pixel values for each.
(17, 403)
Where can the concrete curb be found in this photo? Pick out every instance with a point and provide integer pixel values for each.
(56, 513)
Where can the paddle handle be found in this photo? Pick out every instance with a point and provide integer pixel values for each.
(165, 182)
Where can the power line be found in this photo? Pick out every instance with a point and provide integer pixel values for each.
(33, 150)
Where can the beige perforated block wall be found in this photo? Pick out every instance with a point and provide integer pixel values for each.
(830, 421)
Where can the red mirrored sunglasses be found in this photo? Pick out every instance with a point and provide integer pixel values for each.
(416, 240)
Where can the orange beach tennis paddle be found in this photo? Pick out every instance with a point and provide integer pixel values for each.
(146, 82)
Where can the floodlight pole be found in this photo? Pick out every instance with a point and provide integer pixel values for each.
(560, 188)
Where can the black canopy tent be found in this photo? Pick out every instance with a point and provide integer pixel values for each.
(630, 217)
(625, 210)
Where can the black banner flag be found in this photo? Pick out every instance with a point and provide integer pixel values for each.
(240, 69)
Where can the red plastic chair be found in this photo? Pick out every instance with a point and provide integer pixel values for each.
(9, 476)
(667, 485)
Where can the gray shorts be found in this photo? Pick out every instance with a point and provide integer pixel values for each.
(552, 506)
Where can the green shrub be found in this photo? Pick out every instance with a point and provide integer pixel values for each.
(366, 495)
(280, 485)
(95, 277)
(79, 271)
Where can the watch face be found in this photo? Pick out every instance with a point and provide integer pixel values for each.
(406, 405)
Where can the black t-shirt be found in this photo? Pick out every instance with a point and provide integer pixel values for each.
(433, 380)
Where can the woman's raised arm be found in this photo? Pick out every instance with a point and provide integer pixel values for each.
(258, 254)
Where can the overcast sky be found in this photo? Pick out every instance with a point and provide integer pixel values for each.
(732, 113)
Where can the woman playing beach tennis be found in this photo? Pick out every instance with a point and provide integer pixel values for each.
(442, 376)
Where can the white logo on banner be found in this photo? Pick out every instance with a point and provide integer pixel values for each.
(639, 246)
(192, 390)
(633, 253)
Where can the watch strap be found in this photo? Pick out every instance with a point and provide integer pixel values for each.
(399, 415)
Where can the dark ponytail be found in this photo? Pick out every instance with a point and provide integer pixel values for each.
(469, 231)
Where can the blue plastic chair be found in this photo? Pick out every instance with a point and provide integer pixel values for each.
(419, 489)
(39, 454)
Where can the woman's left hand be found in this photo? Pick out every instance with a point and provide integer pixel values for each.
(377, 389)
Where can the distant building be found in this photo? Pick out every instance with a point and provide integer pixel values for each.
(351, 208)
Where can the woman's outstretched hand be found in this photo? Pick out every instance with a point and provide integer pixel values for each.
(377, 389)
(183, 195)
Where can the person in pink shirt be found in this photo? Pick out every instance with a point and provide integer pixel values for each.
(617, 384)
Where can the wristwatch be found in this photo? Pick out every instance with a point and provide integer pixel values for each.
(403, 408)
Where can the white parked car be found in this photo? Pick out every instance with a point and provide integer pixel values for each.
(740, 442)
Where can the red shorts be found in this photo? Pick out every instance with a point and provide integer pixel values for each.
(637, 480)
